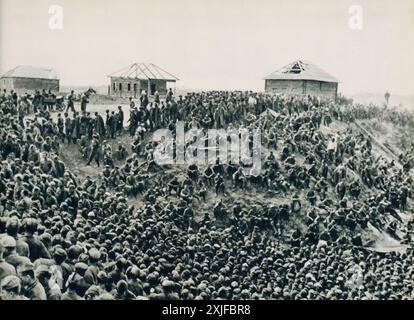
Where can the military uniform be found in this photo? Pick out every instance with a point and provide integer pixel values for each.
(95, 151)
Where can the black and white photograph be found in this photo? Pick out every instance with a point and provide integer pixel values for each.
(206, 150)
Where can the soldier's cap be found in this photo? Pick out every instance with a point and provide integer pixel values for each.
(93, 290)
(91, 214)
(24, 267)
(8, 242)
(10, 282)
(102, 275)
(31, 223)
(13, 223)
(81, 266)
(59, 252)
(46, 237)
(94, 254)
(74, 278)
(135, 271)
(168, 284)
(42, 269)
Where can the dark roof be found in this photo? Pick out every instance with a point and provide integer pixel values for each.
(32, 72)
(144, 71)
(301, 70)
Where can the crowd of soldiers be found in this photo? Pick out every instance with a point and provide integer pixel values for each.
(64, 237)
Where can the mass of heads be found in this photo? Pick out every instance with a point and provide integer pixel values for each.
(86, 212)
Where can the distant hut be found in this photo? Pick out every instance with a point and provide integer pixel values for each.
(28, 79)
(131, 80)
(302, 77)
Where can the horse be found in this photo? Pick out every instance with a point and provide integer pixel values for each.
(85, 98)
(90, 91)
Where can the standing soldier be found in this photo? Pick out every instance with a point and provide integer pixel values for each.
(108, 116)
(37, 100)
(95, 147)
(144, 99)
(61, 125)
(131, 103)
(89, 125)
(156, 115)
(71, 105)
(174, 109)
(120, 120)
(52, 100)
(219, 184)
(42, 98)
(84, 101)
(3, 96)
(82, 124)
(111, 124)
(156, 97)
(169, 95)
(68, 127)
(99, 125)
(75, 127)
(387, 98)
(133, 121)
(341, 189)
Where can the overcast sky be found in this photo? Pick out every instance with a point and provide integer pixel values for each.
(210, 44)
